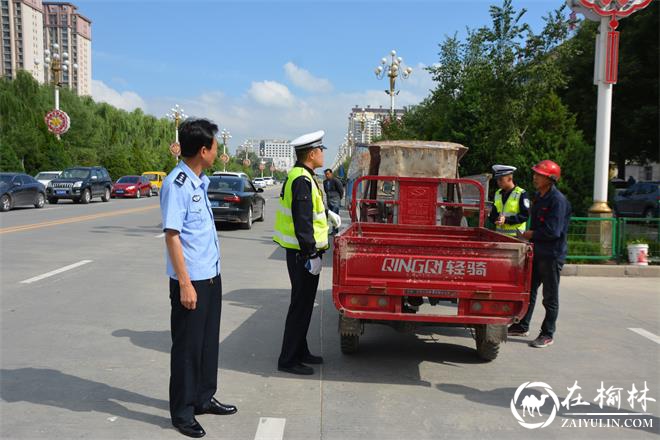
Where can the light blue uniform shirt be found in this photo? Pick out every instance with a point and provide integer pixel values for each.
(185, 207)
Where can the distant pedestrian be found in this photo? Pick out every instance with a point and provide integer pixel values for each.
(193, 265)
(334, 192)
(548, 231)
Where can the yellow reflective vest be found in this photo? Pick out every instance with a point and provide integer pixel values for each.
(285, 234)
(510, 208)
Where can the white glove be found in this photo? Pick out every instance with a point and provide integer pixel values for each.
(334, 219)
(314, 265)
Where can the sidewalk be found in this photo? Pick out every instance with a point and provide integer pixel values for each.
(601, 270)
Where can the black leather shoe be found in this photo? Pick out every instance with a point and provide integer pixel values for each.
(299, 369)
(192, 429)
(218, 408)
(311, 359)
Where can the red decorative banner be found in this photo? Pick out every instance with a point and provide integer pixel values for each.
(58, 122)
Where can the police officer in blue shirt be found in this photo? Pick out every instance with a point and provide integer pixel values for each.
(193, 265)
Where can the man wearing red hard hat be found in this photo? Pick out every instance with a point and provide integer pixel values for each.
(550, 216)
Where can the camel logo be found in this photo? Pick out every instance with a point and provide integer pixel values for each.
(531, 405)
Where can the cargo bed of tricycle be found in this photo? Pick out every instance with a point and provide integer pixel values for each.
(399, 273)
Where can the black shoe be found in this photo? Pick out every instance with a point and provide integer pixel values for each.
(217, 408)
(517, 330)
(191, 429)
(311, 359)
(300, 369)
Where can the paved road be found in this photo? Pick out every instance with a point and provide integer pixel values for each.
(84, 352)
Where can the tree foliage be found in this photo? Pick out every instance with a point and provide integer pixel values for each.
(123, 142)
(509, 94)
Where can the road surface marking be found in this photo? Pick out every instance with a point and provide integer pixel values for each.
(646, 334)
(160, 235)
(270, 429)
(56, 271)
(64, 221)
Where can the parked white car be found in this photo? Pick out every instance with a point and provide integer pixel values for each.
(259, 182)
(269, 181)
(45, 177)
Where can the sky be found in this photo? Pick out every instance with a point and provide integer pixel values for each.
(272, 69)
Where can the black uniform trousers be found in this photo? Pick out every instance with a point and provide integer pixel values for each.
(303, 294)
(546, 271)
(194, 358)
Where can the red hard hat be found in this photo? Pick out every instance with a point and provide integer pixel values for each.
(549, 169)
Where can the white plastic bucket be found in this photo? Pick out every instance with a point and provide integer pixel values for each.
(638, 254)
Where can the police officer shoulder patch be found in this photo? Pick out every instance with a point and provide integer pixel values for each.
(526, 203)
(197, 198)
(180, 178)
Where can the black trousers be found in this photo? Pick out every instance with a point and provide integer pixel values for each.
(194, 358)
(545, 271)
(303, 293)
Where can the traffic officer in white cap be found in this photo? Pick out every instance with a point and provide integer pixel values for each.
(301, 227)
(511, 205)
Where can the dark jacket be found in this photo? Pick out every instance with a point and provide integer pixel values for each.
(334, 190)
(550, 214)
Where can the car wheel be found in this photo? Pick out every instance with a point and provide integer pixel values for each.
(248, 223)
(85, 197)
(263, 212)
(5, 203)
(137, 194)
(106, 195)
(40, 201)
(149, 193)
(53, 200)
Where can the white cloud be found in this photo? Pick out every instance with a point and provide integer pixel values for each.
(271, 94)
(305, 80)
(129, 101)
(270, 110)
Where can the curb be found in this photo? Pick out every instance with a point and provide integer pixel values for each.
(622, 271)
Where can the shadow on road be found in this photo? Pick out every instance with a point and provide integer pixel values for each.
(502, 397)
(385, 356)
(42, 386)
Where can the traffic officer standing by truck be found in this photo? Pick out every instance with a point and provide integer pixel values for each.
(301, 227)
(193, 265)
(511, 205)
(551, 213)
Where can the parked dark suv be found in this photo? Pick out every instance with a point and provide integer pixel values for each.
(80, 184)
(642, 199)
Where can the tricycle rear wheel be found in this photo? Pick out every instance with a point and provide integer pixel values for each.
(349, 343)
(488, 338)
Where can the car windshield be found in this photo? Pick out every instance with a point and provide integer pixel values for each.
(151, 177)
(75, 173)
(6, 178)
(225, 183)
(128, 179)
(46, 176)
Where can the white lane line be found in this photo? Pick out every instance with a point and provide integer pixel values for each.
(159, 235)
(270, 428)
(646, 334)
(56, 271)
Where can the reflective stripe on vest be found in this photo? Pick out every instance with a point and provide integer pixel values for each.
(285, 234)
(510, 208)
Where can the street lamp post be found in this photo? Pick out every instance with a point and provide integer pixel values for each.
(225, 137)
(393, 70)
(176, 114)
(58, 121)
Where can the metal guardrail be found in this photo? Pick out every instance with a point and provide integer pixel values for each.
(647, 229)
(593, 238)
